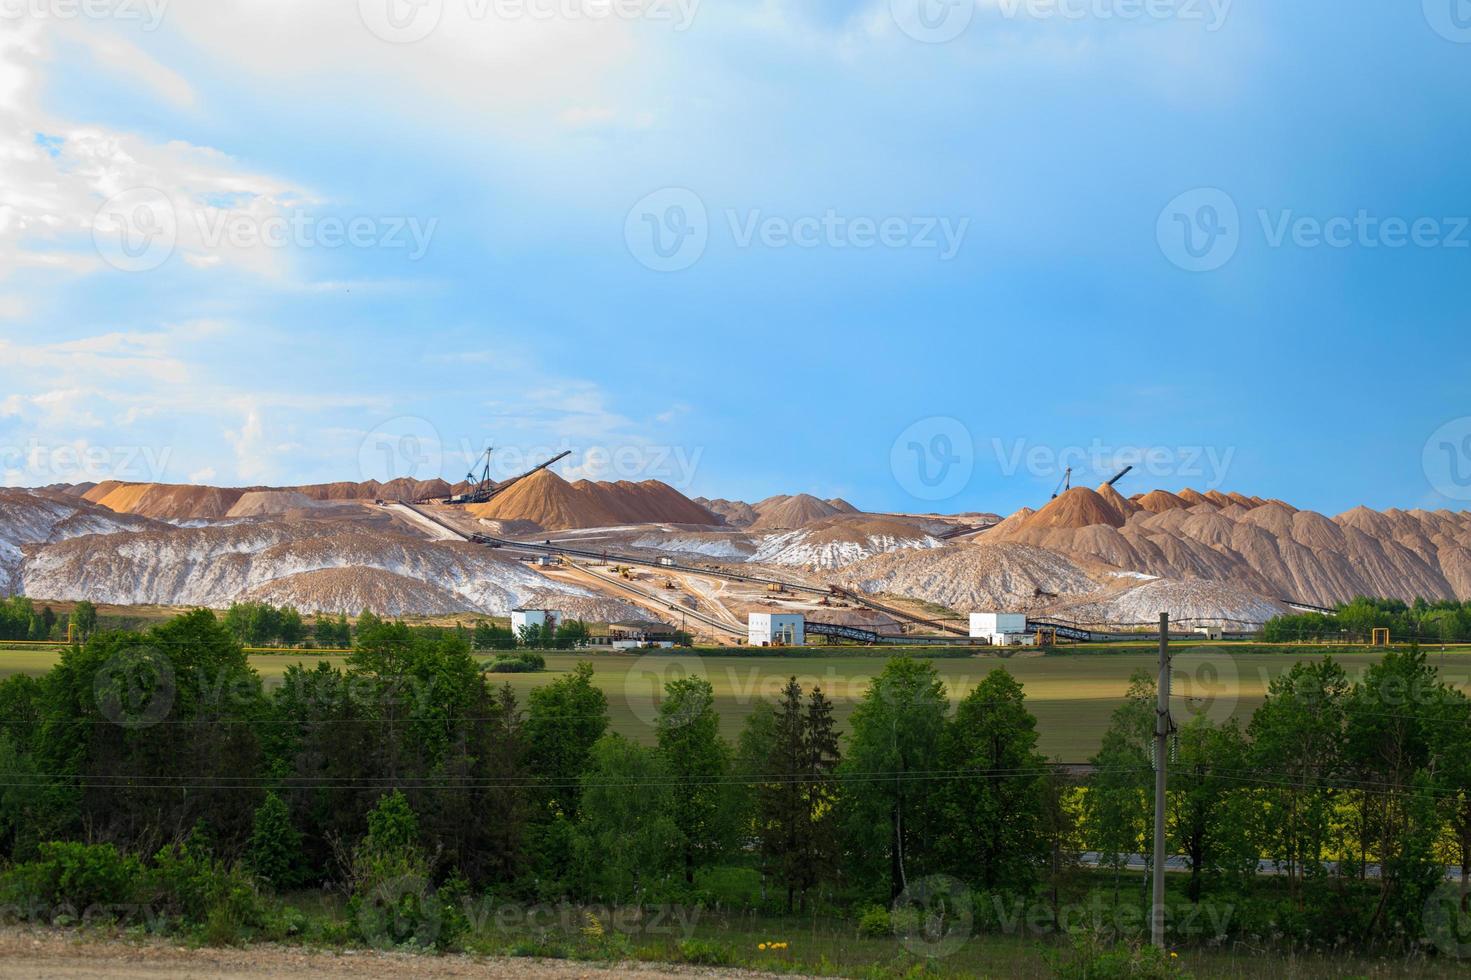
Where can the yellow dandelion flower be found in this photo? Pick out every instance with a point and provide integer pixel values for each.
(760, 945)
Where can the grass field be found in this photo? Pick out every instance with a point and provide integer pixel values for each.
(1072, 694)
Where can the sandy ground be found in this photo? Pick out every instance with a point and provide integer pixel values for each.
(53, 956)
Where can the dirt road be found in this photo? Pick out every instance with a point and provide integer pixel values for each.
(40, 955)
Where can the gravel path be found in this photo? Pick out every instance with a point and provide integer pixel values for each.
(53, 956)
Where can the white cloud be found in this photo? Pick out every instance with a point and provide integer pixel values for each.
(126, 58)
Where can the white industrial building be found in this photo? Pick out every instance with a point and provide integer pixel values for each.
(534, 617)
(777, 629)
(1000, 629)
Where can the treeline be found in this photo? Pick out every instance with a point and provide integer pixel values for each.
(21, 620)
(1358, 794)
(164, 751)
(567, 634)
(1443, 621)
(262, 624)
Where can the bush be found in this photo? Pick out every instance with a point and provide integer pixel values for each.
(70, 879)
(874, 923)
(197, 890)
(1092, 958)
(394, 902)
(703, 952)
(522, 663)
(275, 846)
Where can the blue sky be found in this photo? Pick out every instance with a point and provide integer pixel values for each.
(916, 270)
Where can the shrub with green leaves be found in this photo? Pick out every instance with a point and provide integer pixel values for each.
(72, 879)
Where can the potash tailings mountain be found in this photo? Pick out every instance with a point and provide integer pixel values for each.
(1088, 555)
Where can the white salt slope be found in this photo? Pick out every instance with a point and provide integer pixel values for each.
(213, 566)
(29, 518)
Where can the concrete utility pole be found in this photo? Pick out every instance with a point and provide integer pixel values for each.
(1161, 757)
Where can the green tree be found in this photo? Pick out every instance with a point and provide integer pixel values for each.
(274, 852)
(1297, 736)
(564, 720)
(1117, 805)
(994, 808)
(290, 628)
(1390, 716)
(627, 836)
(1209, 813)
(1451, 750)
(702, 802)
(84, 615)
(571, 634)
(140, 720)
(796, 789)
(892, 806)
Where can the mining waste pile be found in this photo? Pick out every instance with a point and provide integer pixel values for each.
(1090, 555)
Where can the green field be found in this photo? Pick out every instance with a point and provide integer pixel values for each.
(1072, 694)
